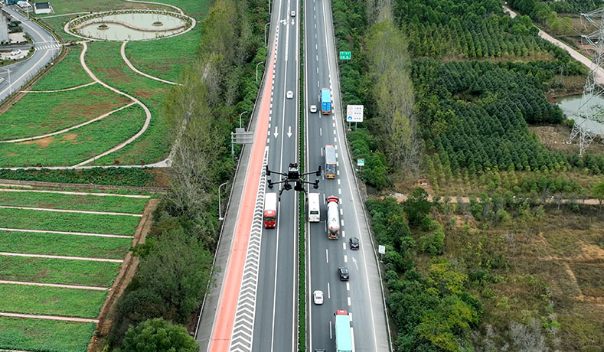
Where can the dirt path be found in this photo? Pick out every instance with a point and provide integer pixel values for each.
(70, 211)
(59, 90)
(74, 193)
(77, 287)
(456, 199)
(60, 257)
(573, 53)
(48, 317)
(66, 233)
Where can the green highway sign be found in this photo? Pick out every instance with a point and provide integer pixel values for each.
(345, 55)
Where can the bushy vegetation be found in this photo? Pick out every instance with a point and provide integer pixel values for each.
(159, 335)
(430, 305)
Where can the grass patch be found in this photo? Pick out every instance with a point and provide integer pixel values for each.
(68, 245)
(66, 7)
(76, 222)
(76, 145)
(167, 57)
(44, 335)
(66, 74)
(69, 201)
(40, 113)
(51, 300)
(138, 177)
(58, 271)
(105, 61)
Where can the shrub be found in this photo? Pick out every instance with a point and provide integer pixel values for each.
(159, 335)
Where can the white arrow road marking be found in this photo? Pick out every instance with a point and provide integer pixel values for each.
(355, 263)
(289, 132)
(276, 133)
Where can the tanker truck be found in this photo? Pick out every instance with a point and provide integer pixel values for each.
(333, 218)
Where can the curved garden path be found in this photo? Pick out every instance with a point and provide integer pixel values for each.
(59, 90)
(69, 128)
(123, 52)
(158, 3)
(145, 108)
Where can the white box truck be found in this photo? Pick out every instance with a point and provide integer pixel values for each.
(314, 207)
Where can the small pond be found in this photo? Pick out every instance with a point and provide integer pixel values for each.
(571, 104)
(132, 26)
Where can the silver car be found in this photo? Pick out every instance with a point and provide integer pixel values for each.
(313, 108)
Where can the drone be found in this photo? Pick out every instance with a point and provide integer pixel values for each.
(292, 175)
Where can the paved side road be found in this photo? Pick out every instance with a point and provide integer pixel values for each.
(47, 48)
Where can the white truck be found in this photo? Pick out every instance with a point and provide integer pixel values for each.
(333, 218)
(314, 208)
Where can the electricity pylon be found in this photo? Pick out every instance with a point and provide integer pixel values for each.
(594, 85)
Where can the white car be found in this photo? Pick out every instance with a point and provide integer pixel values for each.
(313, 108)
(290, 94)
(293, 13)
(317, 297)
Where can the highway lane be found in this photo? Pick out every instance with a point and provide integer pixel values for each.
(46, 49)
(275, 326)
(361, 296)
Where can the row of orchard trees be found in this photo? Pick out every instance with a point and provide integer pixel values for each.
(495, 36)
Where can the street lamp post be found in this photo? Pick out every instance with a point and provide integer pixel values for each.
(240, 118)
(257, 70)
(220, 218)
(265, 42)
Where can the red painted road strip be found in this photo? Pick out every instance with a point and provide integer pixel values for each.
(225, 317)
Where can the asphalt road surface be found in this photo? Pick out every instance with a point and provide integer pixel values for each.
(361, 296)
(46, 48)
(276, 319)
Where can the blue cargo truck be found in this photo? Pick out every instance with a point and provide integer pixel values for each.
(325, 101)
(343, 332)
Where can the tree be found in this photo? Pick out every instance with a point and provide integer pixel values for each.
(178, 270)
(158, 335)
(598, 192)
(417, 206)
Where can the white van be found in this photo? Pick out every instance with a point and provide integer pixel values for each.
(314, 207)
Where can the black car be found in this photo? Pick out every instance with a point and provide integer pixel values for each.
(343, 272)
(319, 350)
(354, 243)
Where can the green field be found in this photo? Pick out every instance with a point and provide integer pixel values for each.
(58, 271)
(77, 145)
(74, 222)
(70, 201)
(40, 113)
(67, 73)
(105, 61)
(165, 58)
(66, 245)
(44, 335)
(51, 300)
